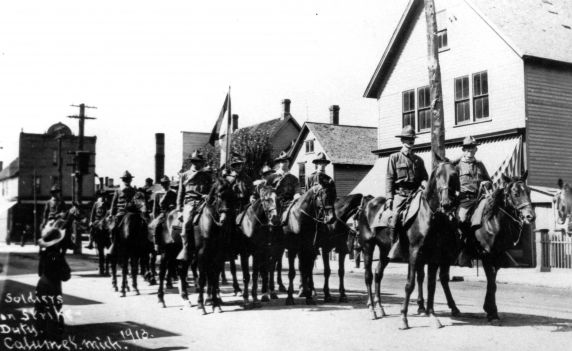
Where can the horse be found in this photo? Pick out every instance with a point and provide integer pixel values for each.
(431, 239)
(130, 243)
(503, 222)
(210, 238)
(564, 206)
(308, 215)
(102, 239)
(336, 237)
(255, 227)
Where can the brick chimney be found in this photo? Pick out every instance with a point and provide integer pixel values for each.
(285, 108)
(159, 156)
(335, 115)
(234, 122)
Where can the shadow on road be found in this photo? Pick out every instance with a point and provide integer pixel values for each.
(516, 320)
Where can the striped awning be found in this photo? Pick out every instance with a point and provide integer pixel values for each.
(499, 155)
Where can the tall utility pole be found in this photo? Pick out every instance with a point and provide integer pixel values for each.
(78, 172)
(80, 160)
(436, 91)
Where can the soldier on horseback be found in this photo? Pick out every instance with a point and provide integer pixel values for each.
(55, 207)
(319, 176)
(167, 203)
(194, 187)
(98, 214)
(286, 184)
(241, 183)
(473, 176)
(405, 174)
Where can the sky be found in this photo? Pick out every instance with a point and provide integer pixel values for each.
(165, 67)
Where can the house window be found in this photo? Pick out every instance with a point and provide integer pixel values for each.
(480, 96)
(462, 101)
(409, 108)
(309, 146)
(442, 40)
(37, 181)
(302, 174)
(423, 108)
(55, 157)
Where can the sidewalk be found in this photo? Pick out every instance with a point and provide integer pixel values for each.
(557, 278)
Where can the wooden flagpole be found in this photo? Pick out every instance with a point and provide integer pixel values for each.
(228, 132)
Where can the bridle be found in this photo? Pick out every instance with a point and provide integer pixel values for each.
(266, 211)
(445, 191)
(517, 216)
(319, 210)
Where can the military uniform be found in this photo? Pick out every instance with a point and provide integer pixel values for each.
(287, 185)
(167, 203)
(98, 211)
(471, 174)
(55, 208)
(194, 185)
(243, 188)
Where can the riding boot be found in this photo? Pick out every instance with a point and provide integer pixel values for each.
(464, 259)
(395, 251)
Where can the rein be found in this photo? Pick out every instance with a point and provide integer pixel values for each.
(508, 201)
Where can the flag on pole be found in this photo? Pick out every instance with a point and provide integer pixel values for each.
(215, 134)
(512, 166)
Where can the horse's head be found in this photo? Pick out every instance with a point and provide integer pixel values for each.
(517, 195)
(325, 198)
(223, 199)
(444, 186)
(269, 203)
(564, 205)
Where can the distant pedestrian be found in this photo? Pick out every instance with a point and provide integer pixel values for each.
(53, 270)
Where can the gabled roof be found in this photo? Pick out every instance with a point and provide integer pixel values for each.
(10, 171)
(272, 126)
(532, 28)
(343, 144)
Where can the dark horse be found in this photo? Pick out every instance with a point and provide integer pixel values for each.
(336, 237)
(102, 239)
(130, 243)
(503, 222)
(169, 244)
(210, 239)
(255, 227)
(564, 206)
(310, 214)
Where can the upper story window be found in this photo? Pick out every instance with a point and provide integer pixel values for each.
(480, 96)
(462, 100)
(309, 146)
(423, 109)
(409, 108)
(442, 40)
(55, 157)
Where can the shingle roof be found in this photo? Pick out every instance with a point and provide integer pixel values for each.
(11, 170)
(351, 145)
(272, 126)
(532, 28)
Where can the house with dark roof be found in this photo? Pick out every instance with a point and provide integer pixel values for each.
(25, 183)
(506, 71)
(347, 147)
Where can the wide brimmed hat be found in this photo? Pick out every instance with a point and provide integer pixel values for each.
(321, 158)
(164, 179)
(197, 156)
(470, 142)
(267, 170)
(51, 236)
(282, 157)
(407, 133)
(55, 189)
(126, 175)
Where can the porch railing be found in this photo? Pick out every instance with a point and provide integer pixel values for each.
(553, 250)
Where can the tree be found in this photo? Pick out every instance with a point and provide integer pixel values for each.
(254, 147)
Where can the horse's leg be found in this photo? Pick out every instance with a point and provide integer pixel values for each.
(217, 266)
(444, 277)
(245, 277)
(194, 270)
(420, 300)
(263, 264)
(281, 287)
(431, 284)
(235, 285)
(271, 269)
(152, 267)
(134, 265)
(409, 287)
(341, 274)
(202, 279)
(101, 257)
(291, 277)
(327, 273)
(124, 263)
(383, 261)
(255, 273)
(368, 249)
(162, 274)
(113, 261)
(182, 269)
(306, 268)
(490, 305)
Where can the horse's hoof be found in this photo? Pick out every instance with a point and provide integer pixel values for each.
(265, 298)
(136, 291)
(116, 289)
(152, 282)
(327, 298)
(290, 301)
(217, 309)
(343, 298)
(436, 322)
(455, 312)
(123, 294)
(421, 310)
(495, 322)
(282, 288)
(238, 293)
(128, 290)
(273, 296)
(372, 315)
(162, 303)
(404, 324)
(380, 311)
(301, 293)
(169, 286)
(310, 301)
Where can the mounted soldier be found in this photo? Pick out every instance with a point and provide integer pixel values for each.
(55, 207)
(194, 187)
(474, 178)
(148, 193)
(286, 184)
(167, 202)
(122, 202)
(319, 176)
(241, 183)
(268, 175)
(98, 214)
(405, 174)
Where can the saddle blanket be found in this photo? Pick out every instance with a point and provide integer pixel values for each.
(383, 217)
